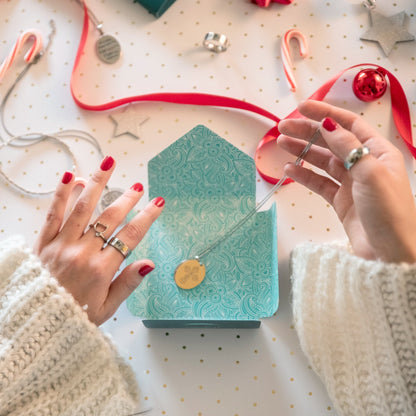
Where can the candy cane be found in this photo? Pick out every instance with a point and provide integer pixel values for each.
(35, 49)
(287, 61)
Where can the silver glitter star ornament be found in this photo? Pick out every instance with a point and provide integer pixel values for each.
(387, 31)
(128, 122)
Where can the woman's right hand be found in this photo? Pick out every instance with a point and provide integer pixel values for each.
(373, 199)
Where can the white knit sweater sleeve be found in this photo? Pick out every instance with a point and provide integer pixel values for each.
(356, 321)
(53, 360)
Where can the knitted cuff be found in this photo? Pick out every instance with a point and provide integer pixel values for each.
(53, 360)
(356, 321)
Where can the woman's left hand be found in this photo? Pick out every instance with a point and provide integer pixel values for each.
(76, 254)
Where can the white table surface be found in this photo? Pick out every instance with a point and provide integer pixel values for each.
(190, 371)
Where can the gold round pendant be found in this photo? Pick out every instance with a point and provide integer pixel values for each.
(189, 274)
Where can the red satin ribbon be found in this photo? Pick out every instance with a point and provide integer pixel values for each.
(400, 108)
(178, 98)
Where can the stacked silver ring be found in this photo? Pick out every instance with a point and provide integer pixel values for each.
(120, 246)
(99, 229)
(355, 155)
(97, 226)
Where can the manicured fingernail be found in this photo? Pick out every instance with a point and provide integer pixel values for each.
(138, 187)
(159, 201)
(144, 270)
(329, 124)
(107, 163)
(67, 177)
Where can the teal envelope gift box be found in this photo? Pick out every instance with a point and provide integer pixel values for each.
(208, 185)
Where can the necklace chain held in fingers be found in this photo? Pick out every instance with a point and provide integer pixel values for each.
(190, 273)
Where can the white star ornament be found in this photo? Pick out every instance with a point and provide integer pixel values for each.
(128, 122)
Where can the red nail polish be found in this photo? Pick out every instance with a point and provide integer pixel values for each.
(329, 124)
(144, 270)
(159, 201)
(107, 163)
(138, 187)
(67, 177)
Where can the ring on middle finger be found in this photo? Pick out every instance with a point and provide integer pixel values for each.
(99, 229)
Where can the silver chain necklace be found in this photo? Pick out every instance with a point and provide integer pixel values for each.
(26, 140)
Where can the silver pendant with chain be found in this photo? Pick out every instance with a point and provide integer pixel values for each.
(191, 272)
(107, 47)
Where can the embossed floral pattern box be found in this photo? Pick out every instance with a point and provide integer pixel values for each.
(208, 185)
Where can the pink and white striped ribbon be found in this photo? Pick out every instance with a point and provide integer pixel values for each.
(29, 35)
(285, 52)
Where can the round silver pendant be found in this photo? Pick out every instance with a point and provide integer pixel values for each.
(108, 49)
(108, 197)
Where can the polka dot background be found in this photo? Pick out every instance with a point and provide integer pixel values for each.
(190, 371)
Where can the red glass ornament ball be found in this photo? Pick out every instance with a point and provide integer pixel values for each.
(369, 84)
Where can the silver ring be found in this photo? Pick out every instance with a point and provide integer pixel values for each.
(355, 155)
(370, 4)
(216, 42)
(99, 229)
(119, 246)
